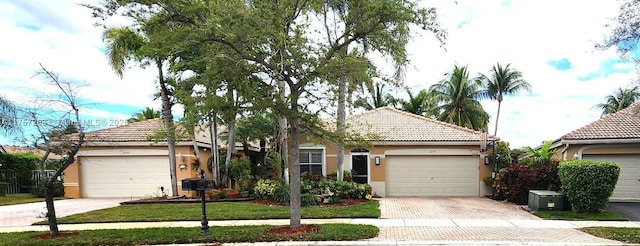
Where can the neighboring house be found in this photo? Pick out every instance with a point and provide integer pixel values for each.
(615, 137)
(133, 161)
(35, 151)
(412, 156)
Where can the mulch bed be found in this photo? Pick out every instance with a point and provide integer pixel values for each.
(182, 199)
(286, 230)
(343, 202)
(46, 235)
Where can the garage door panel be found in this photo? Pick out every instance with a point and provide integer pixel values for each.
(432, 176)
(628, 185)
(132, 176)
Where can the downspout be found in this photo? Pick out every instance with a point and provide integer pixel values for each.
(564, 152)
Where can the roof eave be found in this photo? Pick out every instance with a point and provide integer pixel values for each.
(600, 141)
(430, 143)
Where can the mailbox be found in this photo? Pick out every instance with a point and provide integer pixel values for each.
(198, 184)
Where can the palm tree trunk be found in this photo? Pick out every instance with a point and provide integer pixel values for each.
(497, 117)
(168, 124)
(215, 167)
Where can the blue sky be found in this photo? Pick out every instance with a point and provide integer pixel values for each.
(550, 42)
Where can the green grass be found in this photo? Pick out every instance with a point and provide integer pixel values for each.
(12, 199)
(333, 232)
(217, 211)
(627, 235)
(568, 215)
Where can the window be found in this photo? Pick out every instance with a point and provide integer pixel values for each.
(311, 161)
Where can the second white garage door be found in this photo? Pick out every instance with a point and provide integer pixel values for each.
(128, 176)
(628, 186)
(432, 176)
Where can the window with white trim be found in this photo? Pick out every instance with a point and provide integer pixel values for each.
(311, 161)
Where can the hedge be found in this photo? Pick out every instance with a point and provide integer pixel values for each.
(588, 184)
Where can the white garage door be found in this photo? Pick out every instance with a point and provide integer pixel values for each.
(130, 176)
(432, 176)
(628, 186)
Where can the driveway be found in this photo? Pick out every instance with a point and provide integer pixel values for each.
(631, 210)
(480, 220)
(29, 213)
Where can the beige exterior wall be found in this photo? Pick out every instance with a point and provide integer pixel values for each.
(588, 149)
(378, 172)
(184, 154)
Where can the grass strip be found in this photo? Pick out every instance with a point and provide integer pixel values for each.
(568, 215)
(627, 235)
(217, 211)
(216, 234)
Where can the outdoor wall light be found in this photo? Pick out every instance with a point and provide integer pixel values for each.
(183, 167)
(576, 156)
(486, 160)
(377, 160)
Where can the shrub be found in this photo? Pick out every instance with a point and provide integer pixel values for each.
(3, 188)
(547, 177)
(282, 194)
(214, 194)
(334, 200)
(588, 184)
(58, 190)
(308, 199)
(346, 174)
(266, 188)
(22, 164)
(516, 182)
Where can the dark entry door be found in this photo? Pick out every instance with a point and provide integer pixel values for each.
(360, 166)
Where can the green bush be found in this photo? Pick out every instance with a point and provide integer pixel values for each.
(346, 175)
(266, 188)
(335, 200)
(308, 199)
(3, 188)
(588, 184)
(58, 190)
(282, 194)
(22, 164)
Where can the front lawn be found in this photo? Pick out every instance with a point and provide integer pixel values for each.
(12, 199)
(627, 235)
(216, 234)
(568, 215)
(218, 211)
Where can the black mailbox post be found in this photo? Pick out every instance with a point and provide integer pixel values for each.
(200, 185)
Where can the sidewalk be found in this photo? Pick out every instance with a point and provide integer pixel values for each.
(381, 223)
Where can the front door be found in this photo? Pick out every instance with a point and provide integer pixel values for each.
(360, 167)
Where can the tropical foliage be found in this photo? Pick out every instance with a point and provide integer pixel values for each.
(619, 100)
(145, 114)
(542, 155)
(378, 96)
(503, 81)
(457, 96)
(422, 103)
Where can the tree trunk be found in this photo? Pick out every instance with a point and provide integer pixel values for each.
(497, 117)
(215, 154)
(284, 144)
(294, 202)
(51, 210)
(342, 92)
(231, 145)
(263, 151)
(196, 150)
(168, 124)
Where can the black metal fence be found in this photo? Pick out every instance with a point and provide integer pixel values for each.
(11, 178)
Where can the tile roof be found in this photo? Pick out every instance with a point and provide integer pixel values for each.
(624, 124)
(35, 151)
(394, 125)
(149, 131)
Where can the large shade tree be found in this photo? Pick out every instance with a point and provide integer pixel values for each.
(457, 97)
(503, 81)
(284, 42)
(620, 99)
(625, 32)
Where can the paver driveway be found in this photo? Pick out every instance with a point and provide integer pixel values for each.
(27, 214)
(471, 219)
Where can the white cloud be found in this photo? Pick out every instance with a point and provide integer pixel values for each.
(528, 34)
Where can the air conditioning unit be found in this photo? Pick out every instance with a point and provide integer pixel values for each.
(545, 200)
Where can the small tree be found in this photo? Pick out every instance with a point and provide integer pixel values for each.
(50, 111)
(588, 184)
(542, 155)
(503, 154)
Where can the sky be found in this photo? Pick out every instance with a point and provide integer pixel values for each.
(550, 42)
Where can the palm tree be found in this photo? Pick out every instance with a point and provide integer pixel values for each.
(619, 100)
(378, 97)
(123, 45)
(457, 98)
(503, 81)
(145, 114)
(8, 123)
(422, 103)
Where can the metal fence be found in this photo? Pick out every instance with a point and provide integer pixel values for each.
(37, 178)
(11, 178)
